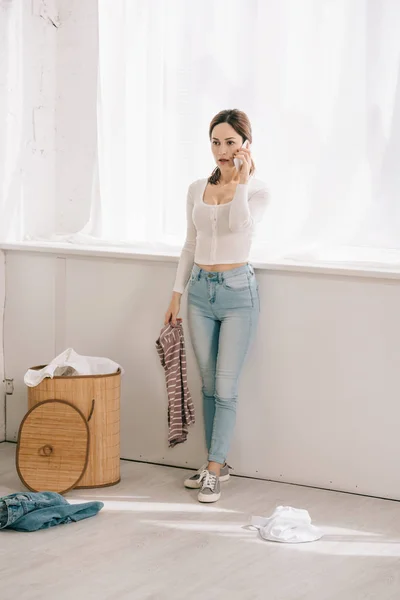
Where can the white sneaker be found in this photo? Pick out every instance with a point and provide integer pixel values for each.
(195, 482)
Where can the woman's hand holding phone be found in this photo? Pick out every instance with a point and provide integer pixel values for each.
(242, 161)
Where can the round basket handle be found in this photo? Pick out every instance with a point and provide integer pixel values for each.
(46, 450)
(91, 410)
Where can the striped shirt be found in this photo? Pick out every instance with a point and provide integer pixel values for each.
(171, 350)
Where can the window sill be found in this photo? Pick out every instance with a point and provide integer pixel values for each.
(135, 253)
(97, 251)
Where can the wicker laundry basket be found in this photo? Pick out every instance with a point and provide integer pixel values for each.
(97, 399)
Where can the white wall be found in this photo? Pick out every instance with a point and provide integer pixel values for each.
(40, 25)
(2, 389)
(53, 110)
(319, 395)
(58, 116)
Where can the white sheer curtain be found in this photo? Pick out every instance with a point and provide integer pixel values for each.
(320, 83)
(318, 79)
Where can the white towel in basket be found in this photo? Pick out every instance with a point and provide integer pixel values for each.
(70, 363)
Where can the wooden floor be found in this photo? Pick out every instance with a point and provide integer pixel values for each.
(153, 540)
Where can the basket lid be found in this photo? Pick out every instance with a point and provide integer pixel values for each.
(53, 447)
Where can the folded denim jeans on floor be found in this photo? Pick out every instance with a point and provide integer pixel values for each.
(32, 511)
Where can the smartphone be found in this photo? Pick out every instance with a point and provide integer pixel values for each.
(238, 161)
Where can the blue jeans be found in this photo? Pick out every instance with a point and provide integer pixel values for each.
(223, 310)
(30, 511)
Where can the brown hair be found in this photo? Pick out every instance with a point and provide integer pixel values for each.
(241, 124)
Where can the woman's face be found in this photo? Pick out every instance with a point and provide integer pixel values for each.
(224, 144)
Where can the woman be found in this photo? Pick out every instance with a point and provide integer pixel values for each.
(223, 301)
